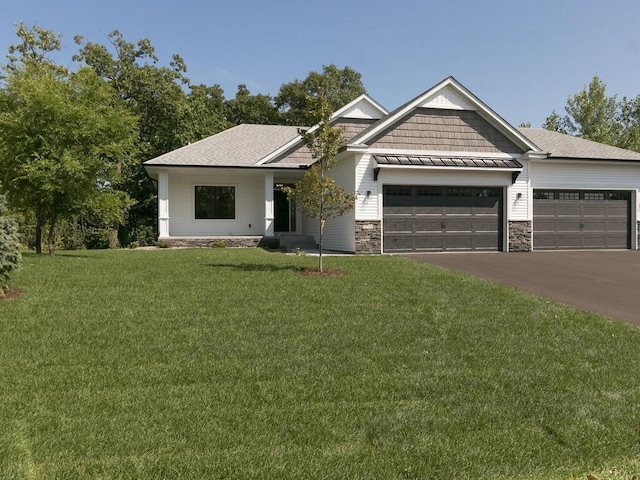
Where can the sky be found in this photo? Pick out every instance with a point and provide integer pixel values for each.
(522, 58)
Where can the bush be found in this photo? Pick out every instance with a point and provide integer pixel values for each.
(9, 247)
(97, 238)
(218, 244)
(163, 244)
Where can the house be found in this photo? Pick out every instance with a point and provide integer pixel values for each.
(443, 172)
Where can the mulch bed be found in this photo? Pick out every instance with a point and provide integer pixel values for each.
(9, 294)
(313, 272)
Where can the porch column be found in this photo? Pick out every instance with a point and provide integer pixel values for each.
(268, 205)
(163, 204)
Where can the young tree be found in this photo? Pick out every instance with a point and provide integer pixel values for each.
(337, 86)
(9, 247)
(317, 193)
(64, 133)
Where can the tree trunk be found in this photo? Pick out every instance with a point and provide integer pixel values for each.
(40, 220)
(52, 236)
(320, 246)
(38, 237)
(113, 238)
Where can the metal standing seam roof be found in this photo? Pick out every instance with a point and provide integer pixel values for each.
(243, 145)
(438, 161)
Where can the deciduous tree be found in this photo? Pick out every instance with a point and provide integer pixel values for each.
(337, 86)
(63, 133)
(317, 193)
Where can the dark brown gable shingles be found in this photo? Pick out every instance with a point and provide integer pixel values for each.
(448, 130)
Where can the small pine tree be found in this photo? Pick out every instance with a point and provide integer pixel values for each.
(9, 247)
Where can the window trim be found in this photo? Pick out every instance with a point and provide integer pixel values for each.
(226, 185)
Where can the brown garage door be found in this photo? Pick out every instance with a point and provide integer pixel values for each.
(576, 219)
(417, 218)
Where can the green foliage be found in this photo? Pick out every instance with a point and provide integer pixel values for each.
(170, 112)
(218, 244)
(591, 114)
(64, 134)
(163, 244)
(338, 86)
(247, 108)
(594, 115)
(9, 246)
(316, 192)
(555, 123)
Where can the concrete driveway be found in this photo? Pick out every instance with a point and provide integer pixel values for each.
(606, 282)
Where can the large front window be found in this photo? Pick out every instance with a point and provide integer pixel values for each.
(215, 202)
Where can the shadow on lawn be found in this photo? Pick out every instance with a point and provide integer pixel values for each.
(254, 267)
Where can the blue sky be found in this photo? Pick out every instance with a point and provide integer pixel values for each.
(523, 58)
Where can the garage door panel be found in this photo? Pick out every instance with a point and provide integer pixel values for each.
(568, 210)
(441, 218)
(398, 224)
(427, 210)
(581, 219)
(426, 224)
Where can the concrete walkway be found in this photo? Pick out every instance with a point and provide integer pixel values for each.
(606, 282)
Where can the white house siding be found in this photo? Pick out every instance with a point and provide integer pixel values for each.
(518, 208)
(249, 203)
(339, 233)
(366, 207)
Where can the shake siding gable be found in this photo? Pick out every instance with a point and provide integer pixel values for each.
(446, 130)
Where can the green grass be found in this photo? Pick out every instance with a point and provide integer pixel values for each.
(224, 363)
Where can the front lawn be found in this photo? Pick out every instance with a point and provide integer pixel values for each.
(224, 363)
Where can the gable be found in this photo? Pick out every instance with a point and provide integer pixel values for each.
(444, 130)
(299, 154)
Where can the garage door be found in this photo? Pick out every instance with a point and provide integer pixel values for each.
(418, 218)
(575, 219)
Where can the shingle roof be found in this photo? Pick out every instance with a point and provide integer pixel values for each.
(559, 145)
(243, 145)
(438, 161)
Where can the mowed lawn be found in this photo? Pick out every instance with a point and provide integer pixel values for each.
(226, 363)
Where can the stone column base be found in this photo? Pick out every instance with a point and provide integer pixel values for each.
(519, 235)
(368, 236)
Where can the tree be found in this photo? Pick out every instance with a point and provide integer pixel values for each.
(171, 112)
(337, 86)
(555, 123)
(247, 108)
(591, 114)
(317, 193)
(9, 247)
(63, 133)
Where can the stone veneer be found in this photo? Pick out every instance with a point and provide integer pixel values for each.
(368, 236)
(519, 236)
(208, 242)
(638, 234)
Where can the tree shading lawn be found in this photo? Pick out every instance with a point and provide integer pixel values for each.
(222, 363)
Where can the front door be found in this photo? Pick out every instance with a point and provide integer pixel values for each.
(285, 213)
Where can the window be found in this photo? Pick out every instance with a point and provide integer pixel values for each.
(542, 195)
(568, 195)
(215, 202)
(594, 195)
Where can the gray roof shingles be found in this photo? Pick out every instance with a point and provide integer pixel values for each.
(560, 145)
(240, 146)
